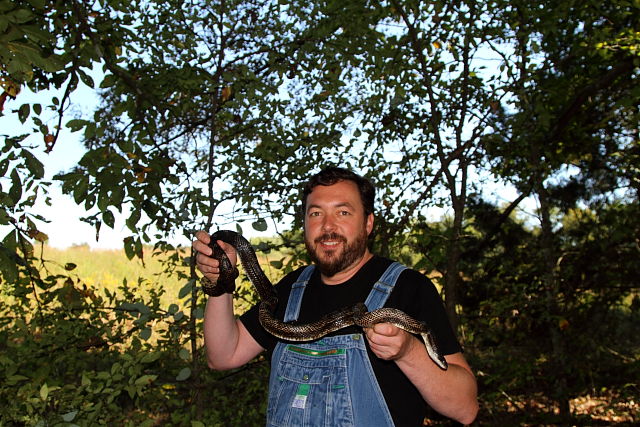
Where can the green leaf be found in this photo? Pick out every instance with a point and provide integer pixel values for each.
(4, 217)
(69, 416)
(186, 289)
(10, 241)
(129, 247)
(86, 79)
(15, 192)
(35, 166)
(37, 4)
(4, 166)
(142, 308)
(103, 197)
(199, 313)
(90, 131)
(8, 265)
(21, 16)
(150, 357)
(184, 354)
(259, 225)
(76, 124)
(128, 306)
(23, 112)
(145, 380)
(108, 218)
(80, 190)
(14, 379)
(184, 374)
(108, 81)
(145, 334)
(44, 391)
(86, 381)
(133, 219)
(276, 264)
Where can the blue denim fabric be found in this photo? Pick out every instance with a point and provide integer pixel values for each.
(329, 382)
(295, 297)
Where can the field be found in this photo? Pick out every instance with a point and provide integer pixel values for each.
(110, 268)
(102, 268)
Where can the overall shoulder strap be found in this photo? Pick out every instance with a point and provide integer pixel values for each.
(295, 297)
(383, 287)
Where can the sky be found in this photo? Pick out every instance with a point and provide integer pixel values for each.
(65, 228)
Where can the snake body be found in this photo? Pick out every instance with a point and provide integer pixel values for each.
(294, 331)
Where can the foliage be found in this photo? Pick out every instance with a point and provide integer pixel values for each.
(509, 317)
(573, 112)
(238, 101)
(85, 354)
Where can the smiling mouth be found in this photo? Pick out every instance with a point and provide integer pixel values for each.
(330, 241)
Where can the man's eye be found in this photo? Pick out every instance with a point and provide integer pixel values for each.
(344, 213)
(314, 213)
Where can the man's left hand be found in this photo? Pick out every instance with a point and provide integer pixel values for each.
(389, 342)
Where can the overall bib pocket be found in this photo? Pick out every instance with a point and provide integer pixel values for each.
(308, 387)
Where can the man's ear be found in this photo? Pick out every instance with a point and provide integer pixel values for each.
(369, 224)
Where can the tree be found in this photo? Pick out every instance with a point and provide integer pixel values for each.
(238, 101)
(554, 138)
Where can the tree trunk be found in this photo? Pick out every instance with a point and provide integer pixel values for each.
(453, 279)
(452, 282)
(552, 286)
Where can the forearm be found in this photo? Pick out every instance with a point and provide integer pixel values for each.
(452, 393)
(227, 342)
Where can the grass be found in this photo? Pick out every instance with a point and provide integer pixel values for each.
(110, 268)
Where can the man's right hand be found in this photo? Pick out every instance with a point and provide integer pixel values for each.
(207, 265)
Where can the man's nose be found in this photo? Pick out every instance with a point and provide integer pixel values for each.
(328, 223)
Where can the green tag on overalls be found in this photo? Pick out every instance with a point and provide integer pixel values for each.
(300, 401)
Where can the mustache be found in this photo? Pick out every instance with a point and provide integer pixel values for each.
(330, 236)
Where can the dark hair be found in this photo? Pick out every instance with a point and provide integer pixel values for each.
(332, 175)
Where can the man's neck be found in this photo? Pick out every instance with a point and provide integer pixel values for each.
(347, 273)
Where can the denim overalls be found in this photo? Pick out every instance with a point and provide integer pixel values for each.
(329, 382)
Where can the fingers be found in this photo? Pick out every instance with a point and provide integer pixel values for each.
(387, 341)
(386, 329)
(382, 334)
(203, 236)
(207, 265)
(206, 261)
(201, 244)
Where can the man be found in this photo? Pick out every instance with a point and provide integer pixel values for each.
(342, 379)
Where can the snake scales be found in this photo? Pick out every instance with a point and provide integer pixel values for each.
(293, 331)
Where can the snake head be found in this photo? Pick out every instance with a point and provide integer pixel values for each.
(356, 312)
(359, 309)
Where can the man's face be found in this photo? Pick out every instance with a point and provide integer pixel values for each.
(335, 226)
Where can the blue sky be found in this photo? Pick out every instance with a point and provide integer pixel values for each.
(65, 227)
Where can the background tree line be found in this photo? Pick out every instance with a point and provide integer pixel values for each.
(439, 103)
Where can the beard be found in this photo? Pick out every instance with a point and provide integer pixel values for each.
(332, 262)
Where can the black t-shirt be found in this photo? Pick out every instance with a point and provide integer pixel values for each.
(413, 293)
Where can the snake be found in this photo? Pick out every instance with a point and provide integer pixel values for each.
(357, 314)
